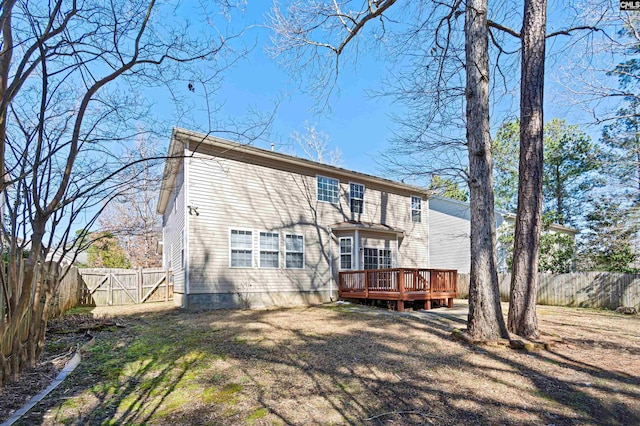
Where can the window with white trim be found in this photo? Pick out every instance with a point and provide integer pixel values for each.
(241, 247)
(416, 209)
(328, 189)
(293, 251)
(356, 197)
(377, 258)
(269, 250)
(346, 252)
(370, 256)
(385, 259)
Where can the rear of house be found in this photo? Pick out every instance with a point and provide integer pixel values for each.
(247, 227)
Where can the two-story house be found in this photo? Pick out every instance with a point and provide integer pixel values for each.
(244, 226)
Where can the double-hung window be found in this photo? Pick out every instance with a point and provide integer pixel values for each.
(328, 189)
(241, 248)
(269, 250)
(294, 251)
(416, 209)
(346, 252)
(356, 198)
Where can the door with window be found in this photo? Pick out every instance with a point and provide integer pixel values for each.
(377, 258)
(374, 258)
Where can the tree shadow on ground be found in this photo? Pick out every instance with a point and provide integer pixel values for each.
(326, 365)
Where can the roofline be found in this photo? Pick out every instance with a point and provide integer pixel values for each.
(185, 136)
(171, 167)
(354, 227)
(467, 204)
(554, 226)
(506, 214)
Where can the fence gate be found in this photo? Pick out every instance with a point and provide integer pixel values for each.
(104, 287)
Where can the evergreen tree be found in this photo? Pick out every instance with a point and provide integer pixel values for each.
(572, 163)
(610, 237)
(448, 188)
(105, 252)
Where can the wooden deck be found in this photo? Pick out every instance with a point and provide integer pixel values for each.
(400, 285)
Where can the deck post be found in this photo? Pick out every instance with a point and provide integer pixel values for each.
(450, 303)
(401, 289)
(366, 285)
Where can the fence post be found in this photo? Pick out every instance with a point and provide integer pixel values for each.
(110, 289)
(166, 286)
(140, 285)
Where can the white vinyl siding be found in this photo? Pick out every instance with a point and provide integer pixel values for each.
(328, 189)
(269, 250)
(237, 194)
(294, 251)
(173, 221)
(356, 198)
(346, 253)
(241, 248)
(416, 209)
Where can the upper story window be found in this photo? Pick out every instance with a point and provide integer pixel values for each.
(346, 250)
(416, 209)
(294, 251)
(241, 248)
(328, 189)
(356, 197)
(269, 250)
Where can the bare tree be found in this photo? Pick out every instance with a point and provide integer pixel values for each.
(485, 313)
(524, 279)
(74, 80)
(314, 38)
(131, 217)
(314, 144)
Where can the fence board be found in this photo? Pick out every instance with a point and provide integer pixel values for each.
(125, 286)
(583, 289)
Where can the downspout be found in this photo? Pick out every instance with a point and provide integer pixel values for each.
(185, 241)
(357, 249)
(330, 265)
(428, 209)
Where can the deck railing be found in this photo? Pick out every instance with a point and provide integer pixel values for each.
(400, 280)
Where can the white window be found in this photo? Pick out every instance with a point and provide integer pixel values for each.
(346, 252)
(269, 250)
(294, 251)
(328, 189)
(385, 258)
(356, 197)
(370, 258)
(416, 209)
(377, 258)
(241, 248)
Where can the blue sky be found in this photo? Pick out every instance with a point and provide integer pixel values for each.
(358, 124)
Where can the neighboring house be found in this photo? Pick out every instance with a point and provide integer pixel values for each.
(449, 234)
(243, 226)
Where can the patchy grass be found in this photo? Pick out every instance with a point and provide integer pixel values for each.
(344, 365)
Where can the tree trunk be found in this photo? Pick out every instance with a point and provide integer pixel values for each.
(485, 313)
(524, 279)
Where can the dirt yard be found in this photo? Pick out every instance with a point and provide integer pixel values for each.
(346, 364)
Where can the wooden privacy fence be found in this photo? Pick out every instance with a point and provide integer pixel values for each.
(125, 286)
(584, 289)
